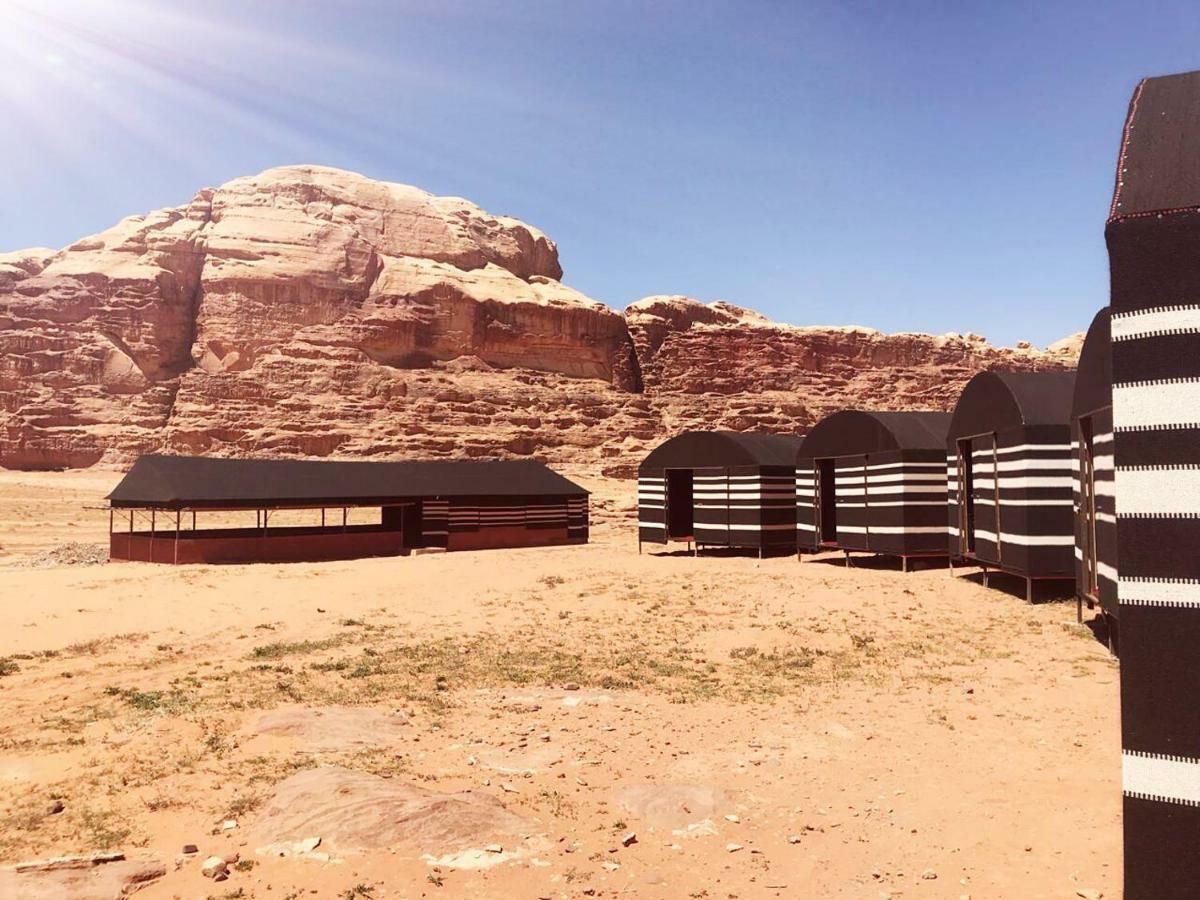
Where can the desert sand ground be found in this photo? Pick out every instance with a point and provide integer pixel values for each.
(564, 722)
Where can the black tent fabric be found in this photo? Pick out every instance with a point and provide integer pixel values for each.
(1153, 237)
(199, 482)
(693, 449)
(874, 482)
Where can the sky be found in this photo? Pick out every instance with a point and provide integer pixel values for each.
(908, 166)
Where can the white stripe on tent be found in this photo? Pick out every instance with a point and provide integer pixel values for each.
(875, 504)
(906, 477)
(1022, 448)
(988, 501)
(1157, 592)
(1156, 404)
(1027, 540)
(1176, 320)
(1158, 492)
(1170, 779)
(1018, 464)
(1027, 481)
(893, 529)
(906, 465)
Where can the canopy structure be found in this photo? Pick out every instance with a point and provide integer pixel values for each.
(1153, 236)
(720, 488)
(1010, 480)
(874, 482)
(1092, 449)
(202, 482)
(454, 505)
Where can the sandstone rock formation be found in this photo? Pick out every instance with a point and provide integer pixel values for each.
(313, 311)
(719, 365)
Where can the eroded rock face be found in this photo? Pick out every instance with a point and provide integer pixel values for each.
(312, 311)
(718, 365)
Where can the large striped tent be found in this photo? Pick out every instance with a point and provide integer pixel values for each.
(1153, 236)
(875, 482)
(1092, 447)
(721, 489)
(1010, 480)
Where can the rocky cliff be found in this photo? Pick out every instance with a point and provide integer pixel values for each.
(313, 311)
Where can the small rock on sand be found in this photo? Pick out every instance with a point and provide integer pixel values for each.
(215, 868)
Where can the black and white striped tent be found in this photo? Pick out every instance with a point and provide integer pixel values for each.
(875, 482)
(1010, 483)
(1092, 447)
(1153, 236)
(720, 489)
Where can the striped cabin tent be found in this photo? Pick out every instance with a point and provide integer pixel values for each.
(875, 482)
(1092, 449)
(1009, 478)
(411, 504)
(720, 489)
(1153, 237)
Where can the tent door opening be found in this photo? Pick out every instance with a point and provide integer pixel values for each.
(966, 499)
(826, 501)
(1087, 502)
(680, 505)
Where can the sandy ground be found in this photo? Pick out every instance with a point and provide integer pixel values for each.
(761, 729)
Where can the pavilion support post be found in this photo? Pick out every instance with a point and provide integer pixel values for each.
(178, 513)
(904, 564)
(322, 517)
(152, 512)
(1028, 589)
(985, 576)
(193, 522)
(345, 513)
(1078, 608)
(130, 551)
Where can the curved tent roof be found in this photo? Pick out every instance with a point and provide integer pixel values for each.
(186, 482)
(1001, 401)
(853, 431)
(1093, 380)
(696, 449)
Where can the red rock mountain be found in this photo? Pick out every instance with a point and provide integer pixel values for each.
(312, 311)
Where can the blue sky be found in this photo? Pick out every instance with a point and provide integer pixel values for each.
(908, 166)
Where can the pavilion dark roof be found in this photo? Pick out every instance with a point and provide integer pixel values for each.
(200, 481)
